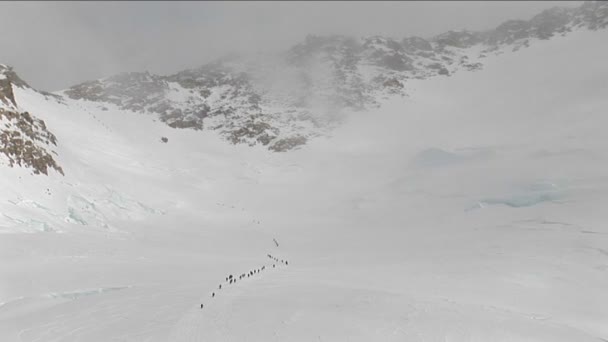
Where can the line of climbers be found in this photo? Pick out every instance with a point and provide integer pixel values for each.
(231, 279)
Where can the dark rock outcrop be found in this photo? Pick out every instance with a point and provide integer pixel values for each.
(24, 141)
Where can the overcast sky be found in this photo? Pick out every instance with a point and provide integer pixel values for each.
(54, 45)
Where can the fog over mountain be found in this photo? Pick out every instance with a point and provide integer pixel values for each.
(88, 40)
(275, 171)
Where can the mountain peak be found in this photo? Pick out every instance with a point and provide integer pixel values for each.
(8, 79)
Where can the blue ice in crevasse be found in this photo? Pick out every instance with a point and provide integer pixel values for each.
(528, 195)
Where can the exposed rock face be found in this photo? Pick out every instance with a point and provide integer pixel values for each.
(24, 140)
(8, 78)
(592, 15)
(415, 44)
(321, 77)
(288, 143)
(6, 93)
(462, 39)
(137, 87)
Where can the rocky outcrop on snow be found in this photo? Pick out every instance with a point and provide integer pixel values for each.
(24, 140)
(214, 96)
(320, 77)
(8, 78)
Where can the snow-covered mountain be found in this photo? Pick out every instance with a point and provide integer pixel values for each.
(243, 98)
(424, 197)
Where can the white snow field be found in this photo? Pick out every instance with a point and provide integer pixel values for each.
(472, 210)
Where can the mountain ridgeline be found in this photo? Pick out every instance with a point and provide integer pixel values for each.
(282, 101)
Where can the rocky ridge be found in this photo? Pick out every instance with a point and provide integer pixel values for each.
(24, 139)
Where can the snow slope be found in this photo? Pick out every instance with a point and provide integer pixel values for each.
(470, 211)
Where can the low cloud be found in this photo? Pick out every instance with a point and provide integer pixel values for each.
(55, 45)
